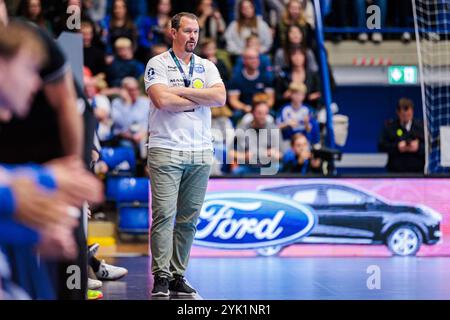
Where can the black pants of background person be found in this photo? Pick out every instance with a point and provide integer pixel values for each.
(64, 277)
(71, 283)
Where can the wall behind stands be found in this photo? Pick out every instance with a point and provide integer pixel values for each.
(368, 107)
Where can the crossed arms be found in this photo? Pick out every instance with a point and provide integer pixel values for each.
(180, 99)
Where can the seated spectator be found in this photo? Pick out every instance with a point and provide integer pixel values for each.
(294, 15)
(95, 9)
(151, 28)
(339, 17)
(64, 13)
(403, 140)
(297, 118)
(210, 21)
(208, 50)
(300, 159)
(298, 72)
(157, 49)
(251, 156)
(31, 10)
(130, 115)
(246, 24)
(94, 55)
(361, 16)
(257, 98)
(101, 106)
(245, 84)
(118, 25)
(265, 65)
(124, 65)
(403, 12)
(222, 132)
(294, 39)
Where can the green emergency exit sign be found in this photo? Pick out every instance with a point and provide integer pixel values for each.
(403, 75)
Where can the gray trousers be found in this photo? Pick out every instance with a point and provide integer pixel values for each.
(179, 180)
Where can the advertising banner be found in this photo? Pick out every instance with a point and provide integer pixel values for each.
(324, 217)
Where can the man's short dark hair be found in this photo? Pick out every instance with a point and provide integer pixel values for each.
(176, 19)
(405, 103)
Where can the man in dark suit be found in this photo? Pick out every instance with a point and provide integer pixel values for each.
(403, 140)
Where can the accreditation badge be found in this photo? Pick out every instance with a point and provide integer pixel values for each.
(198, 84)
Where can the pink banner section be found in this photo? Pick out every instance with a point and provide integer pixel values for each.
(431, 192)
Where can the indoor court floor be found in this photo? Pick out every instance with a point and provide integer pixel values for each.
(311, 278)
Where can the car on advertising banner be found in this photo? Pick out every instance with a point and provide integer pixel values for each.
(349, 215)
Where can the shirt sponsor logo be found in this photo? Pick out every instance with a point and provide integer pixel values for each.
(151, 73)
(199, 68)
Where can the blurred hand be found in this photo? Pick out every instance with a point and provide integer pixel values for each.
(217, 15)
(57, 243)
(38, 208)
(208, 11)
(293, 123)
(314, 96)
(125, 96)
(414, 146)
(75, 184)
(402, 147)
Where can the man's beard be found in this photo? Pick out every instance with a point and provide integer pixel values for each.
(188, 49)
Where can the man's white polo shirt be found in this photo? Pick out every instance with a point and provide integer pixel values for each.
(185, 131)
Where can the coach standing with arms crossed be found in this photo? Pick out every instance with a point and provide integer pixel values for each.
(182, 88)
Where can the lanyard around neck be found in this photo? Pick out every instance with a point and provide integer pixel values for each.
(187, 81)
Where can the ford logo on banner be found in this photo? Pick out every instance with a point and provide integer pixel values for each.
(230, 220)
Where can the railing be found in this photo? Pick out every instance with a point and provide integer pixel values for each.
(325, 73)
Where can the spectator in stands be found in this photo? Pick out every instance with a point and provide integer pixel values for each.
(64, 14)
(158, 48)
(403, 140)
(95, 9)
(246, 24)
(298, 72)
(94, 54)
(211, 22)
(265, 65)
(151, 28)
(297, 118)
(360, 11)
(245, 84)
(403, 12)
(251, 155)
(124, 65)
(339, 17)
(300, 159)
(208, 50)
(130, 115)
(257, 98)
(294, 15)
(119, 25)
(101, 106)
(294, 39)
(32, 11)
(271, 11)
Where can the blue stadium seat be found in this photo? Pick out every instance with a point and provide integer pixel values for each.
(133, 219)
(133, 189)
(121, 159)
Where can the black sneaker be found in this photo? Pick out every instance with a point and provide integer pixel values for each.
(160, 287)
(179, 287)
